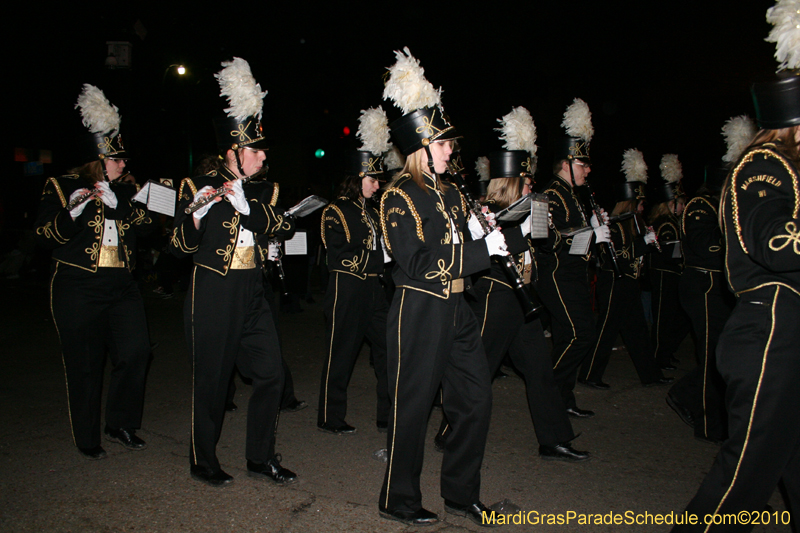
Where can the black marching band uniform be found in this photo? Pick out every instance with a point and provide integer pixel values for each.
(227, 320)
(620, 304)
(433, 338)
(757, 353)
(95, 301)
(355, 303)
(563, 283)
(706, 300)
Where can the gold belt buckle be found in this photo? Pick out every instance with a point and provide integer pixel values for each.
(457, 285)
(244, 258)
(109, 258)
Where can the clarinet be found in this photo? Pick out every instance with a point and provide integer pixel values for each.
(641, 223)
(527, 298)
(610, 249)
(279, 267)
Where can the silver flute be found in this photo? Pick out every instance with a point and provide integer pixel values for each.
(205, 200)
(78, 200)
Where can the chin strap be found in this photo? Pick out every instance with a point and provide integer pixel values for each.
(571, 173)
(431, 166)
(239, 163)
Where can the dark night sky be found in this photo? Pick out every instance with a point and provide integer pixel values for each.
(659, 76)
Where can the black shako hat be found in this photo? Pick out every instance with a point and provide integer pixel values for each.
(777, 102)
(103, 121)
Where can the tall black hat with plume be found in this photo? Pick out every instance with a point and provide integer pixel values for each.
(672, 172)
(777, 102)
(518, 133)
(424, 120)
(578, 128)
(241, 125)
(102, 120)
(373, 131)
(635, 170)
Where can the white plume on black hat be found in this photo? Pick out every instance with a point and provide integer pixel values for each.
(98, 114)
(518, 130)
(482, 168)
(238, 85)
(738, 132)
(578, 120)
(407, 86)
(633, 166)
(394, 160)
(785, 18)
(373, 131)
(671, 169)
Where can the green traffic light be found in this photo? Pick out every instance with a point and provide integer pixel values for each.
(320, 153)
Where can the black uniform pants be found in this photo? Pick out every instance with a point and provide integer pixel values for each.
(505, 331)
(705, 299)
(228, 323)
(95, 314)
(354, 309)
(670, 323)
(433, 342)
(621, 312)
(564, 290)
(758, 358)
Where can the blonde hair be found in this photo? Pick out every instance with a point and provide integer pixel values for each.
(503, 191)
(416, 167)
(91, 172)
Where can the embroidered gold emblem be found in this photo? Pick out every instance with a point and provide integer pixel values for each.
(793, 236)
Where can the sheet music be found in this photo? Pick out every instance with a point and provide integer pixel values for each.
(297, 245)
(580, 243)
(158, 198)
(306, 206)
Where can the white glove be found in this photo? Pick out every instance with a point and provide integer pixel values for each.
(237, 199)
(273, 251)
(496, 243)
(595, 223)
(489, 216)
(526, 226)
(602, 234)
(386, 257)
(78, 209)
(200, 213)
(649, 237)
(475, 228)
(107, 195)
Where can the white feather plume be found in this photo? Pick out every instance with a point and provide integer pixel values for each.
(738, 132)
(785, 17)
(373, 130)
(671, 169)
(407, 86)
(238, 85)
(394, 159)
(578, 120)
(633, 165)
(98, 114)
(518, 130)
(482, 168)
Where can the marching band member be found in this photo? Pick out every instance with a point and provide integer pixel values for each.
(757, 353)
(620, 299)
(433, 337)
(227, 319)
(563, 279)
(90, 222)
(355, 302)
(670, 324)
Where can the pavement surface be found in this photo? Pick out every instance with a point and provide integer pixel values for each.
(645, 460)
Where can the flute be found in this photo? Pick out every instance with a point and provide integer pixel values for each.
(205, 200)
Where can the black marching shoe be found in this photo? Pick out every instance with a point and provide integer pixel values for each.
(660, 381)
(681, 411)
(271, 470)
(420, 517)
(212, 478)
(126, 437)
(294, 406)
(383, 426)
(344, 429)
(562, 452)
(97, 452)
(230, 407)
(439, 443)
(575, 412)
(474, 512)
(599, 384)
